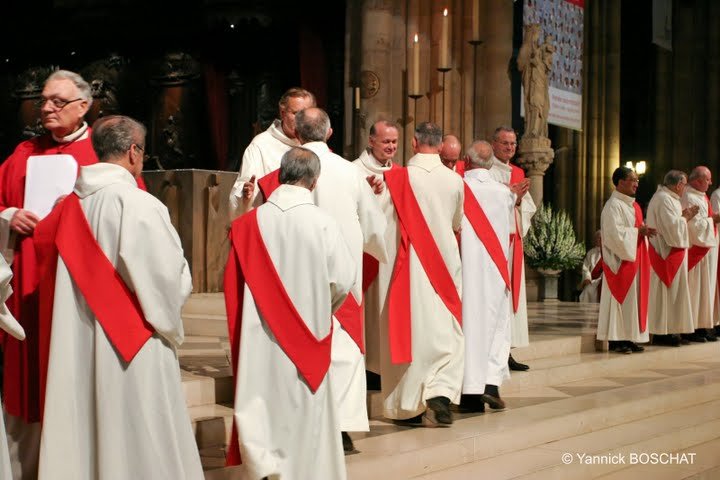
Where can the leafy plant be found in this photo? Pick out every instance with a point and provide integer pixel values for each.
(550, 243)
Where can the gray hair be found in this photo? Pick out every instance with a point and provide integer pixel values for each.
(698, 172)
(82, 86)
(673, 177)
(475, 159)
(312, 125)
(427, 133)
(503, 128)
(113, 135)
(299, 166)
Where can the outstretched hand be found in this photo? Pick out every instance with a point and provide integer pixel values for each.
(249, 188)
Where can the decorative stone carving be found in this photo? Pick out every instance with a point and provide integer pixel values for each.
(30, 83)
(103, 77)
(535, 155)
(176, 68)
(369, 84)
(535, 62)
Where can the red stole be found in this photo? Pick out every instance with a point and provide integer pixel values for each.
(483, 229)
(696, 253)
(269, 183)
(21, 379)
(460, 167)
(619, 283)
(249, 263)
(413, 231)
(517, 175)
(666, 268)
(597, 270)
(66, 232)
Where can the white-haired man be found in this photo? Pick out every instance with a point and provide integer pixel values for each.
(702, 254)
(669, 311)
(486, 305)
(343, 192)
(64, 101)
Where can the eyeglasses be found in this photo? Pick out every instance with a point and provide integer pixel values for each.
(142, 149)
(507, 144)
(57, 103)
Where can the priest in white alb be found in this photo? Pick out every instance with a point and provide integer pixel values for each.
(504, 143)
(375, 161)
(263, 154)
(592, 272)
(9, 325)
(669, 311)
(486, 304)
(715, 205)
(114, 405)
(289, 269)
(344, 192)
(626, 267)
(427, 348)
(702, 254)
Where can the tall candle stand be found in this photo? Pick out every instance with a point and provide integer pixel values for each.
(443, 71)
(475, 44)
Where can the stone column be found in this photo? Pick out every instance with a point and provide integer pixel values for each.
(376, 65)
(494, 107)
(535, 156)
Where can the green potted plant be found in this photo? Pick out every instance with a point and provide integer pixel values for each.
(551, 247)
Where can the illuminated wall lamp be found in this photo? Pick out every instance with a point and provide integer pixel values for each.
(640, 167)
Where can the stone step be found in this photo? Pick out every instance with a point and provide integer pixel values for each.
(205, 324)
(212, 425)
(212, 303)
(668, 433)
(413, 452)
(545, 345)
(572, 367)
(198, 390)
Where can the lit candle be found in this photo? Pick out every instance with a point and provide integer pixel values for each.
(475, 20)
(444, 54)
(416, 67)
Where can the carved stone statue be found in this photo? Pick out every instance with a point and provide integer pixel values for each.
(534, 62)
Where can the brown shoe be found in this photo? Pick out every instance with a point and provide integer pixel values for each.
(496, 403)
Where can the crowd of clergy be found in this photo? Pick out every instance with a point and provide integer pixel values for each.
(656, 274)
(336, 268)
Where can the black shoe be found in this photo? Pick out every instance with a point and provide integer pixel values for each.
(622, 347)
(634, 347)
(471, 403)
(666, 340)
(710, 335)
(438, 412)
(717, 330)
(496, 403)
(517, 366)
(347, 442)
(372, 380)
(694, 337)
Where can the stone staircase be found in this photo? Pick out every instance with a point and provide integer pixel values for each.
(574, 400)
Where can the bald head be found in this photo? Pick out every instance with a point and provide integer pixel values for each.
(312, 125)
(450, 151)
(479, 155)
(700, 178)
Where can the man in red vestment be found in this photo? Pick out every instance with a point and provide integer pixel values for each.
(65, 100)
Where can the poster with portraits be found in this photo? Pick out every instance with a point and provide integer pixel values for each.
(561, 30)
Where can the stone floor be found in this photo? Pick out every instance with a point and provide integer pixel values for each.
(578, 413)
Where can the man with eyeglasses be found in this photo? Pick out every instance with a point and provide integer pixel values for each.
(504, 143)
(263, 154)
(114, 406)
(66, 98)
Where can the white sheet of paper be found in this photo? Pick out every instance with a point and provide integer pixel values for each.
(48, 177)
